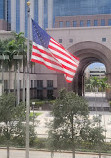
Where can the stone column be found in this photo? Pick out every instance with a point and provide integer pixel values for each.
(41, 13)
(50, 13)
(13, 15)
(108, 90)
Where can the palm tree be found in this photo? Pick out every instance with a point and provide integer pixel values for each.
(3, 60)
(103, 86)
(20, 41)
(94, 82)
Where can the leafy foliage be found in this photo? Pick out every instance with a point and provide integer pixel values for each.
(70, 113)
(71, 125)
(12, 121)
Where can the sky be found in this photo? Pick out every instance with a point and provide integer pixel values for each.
(96, 65)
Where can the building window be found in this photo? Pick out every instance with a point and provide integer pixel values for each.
(60, 23)
(109, 22)
(49, 83)
(39, 94)
(88, 23)
(67, 24)
(74, 23)
(60, 40)
(31, 83)
(50, 94)
(70, 40)
(20, 84)
(95, 22)
(35, 83)
(102, 22)
(39, 83)
(5, 84)
(103, 39)
(81, 23)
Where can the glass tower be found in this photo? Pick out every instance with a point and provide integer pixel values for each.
(2, 9)
(52, 9)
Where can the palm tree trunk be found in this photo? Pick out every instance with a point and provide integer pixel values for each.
(18, 84)
(73, 153)
(15, 78)
(23, 81)
(103, 112)
(8, 153)
(2, 77)
(9, 79)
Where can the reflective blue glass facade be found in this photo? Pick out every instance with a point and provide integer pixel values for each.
(17, 16)
(36, 10)
(26, 18)
(2, 9)
(61, 8)
(45, 13)
(80, 7)
(9, 11)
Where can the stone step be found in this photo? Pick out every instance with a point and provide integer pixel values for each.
(99, 109)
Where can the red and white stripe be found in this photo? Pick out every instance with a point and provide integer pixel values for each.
(55, 58)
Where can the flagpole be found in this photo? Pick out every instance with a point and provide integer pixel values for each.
(28, 84)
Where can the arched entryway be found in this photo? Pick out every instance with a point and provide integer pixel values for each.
(90, 52)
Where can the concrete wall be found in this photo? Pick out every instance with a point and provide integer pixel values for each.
(82, 34)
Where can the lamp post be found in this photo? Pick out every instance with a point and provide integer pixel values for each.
(33, 103)
(28, 88)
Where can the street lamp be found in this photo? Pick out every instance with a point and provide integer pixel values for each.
(33, 103)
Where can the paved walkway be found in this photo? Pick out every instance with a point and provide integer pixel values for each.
(96, 99)
(43, 154)
(46, 117)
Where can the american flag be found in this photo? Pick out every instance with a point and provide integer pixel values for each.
(54, 56)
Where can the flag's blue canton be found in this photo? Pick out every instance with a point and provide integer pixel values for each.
(39, 35)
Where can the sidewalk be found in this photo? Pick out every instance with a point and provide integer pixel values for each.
(45, 154)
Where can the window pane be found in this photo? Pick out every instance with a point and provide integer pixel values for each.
(74, 23)
(88, 23)
(81, 23)
(67, 24)
(102, 22)
(60, 23)
(50, 94)
(49, 83)
(109, 22)
(70, 40)
(35, 83)
(103, 39)
(60, 40)
(39, 83)
(5, 84)
(95, 22)
(39, 94)
(31, 83)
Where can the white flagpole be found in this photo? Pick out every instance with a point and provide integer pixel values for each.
(28, 84)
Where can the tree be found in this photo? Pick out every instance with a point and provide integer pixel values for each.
(3, 61)
(12, 118)
(70, 113)
(92, 134)
(22, 49)
(16, 47)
